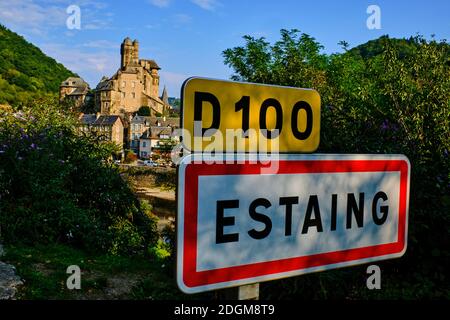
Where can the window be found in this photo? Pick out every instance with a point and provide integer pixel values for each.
(133, 84)
(144, 144)
(123, 84)
(133, 95)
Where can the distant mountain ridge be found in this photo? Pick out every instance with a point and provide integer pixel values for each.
(375, 47)
(26, 72)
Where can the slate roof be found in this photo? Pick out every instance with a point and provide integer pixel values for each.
(103, 120)
(157, 131)
(104, 84)
(88, 118)
(153, 64)
(139, 119)
(78, 91)
(106, 120)
(74, 82)
(153, 121)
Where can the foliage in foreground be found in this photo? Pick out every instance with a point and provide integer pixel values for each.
(58, 186)
(389, 96)
(103, 276)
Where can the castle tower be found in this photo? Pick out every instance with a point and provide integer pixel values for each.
(126, 52)
(135, 55)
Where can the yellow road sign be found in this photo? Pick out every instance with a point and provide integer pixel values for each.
(226, 116)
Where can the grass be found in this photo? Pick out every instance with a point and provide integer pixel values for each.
(43, 269)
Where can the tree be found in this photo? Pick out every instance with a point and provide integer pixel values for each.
(145, 111)
(386, 96)
(25, 72)
(295, 60)
(57, 185)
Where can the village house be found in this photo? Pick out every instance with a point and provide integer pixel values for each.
(146, 132)
(106, 127)
(153, 139)
(74, 90)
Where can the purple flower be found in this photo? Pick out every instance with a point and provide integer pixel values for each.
(385, 125)
(33, 146)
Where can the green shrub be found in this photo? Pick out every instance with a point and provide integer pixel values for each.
(130, 157)
(145, 111)
(59, 186)
(385, 97)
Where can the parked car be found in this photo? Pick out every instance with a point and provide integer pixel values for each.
(150, 163)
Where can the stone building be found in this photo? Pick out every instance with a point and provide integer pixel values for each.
(106, 127)
(138, 125)
(134, 85)
(146, 132)
(151, 140)
(74, 90)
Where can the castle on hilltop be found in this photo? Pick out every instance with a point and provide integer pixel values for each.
(116, 101)
(134, 85)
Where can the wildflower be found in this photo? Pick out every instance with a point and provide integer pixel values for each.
(385, 125)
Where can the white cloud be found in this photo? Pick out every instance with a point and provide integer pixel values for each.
(39, 18)
(30, 15)
(96, 25)
(181, 18)
(160, 3)
(102, 44)
(209, 5)
(91, 66)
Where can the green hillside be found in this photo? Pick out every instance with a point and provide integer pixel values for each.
(404, 47)
(25, 71)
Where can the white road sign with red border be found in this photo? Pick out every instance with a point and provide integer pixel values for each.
(237, 225)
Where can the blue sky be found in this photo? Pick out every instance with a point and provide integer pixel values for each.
(187, 37)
